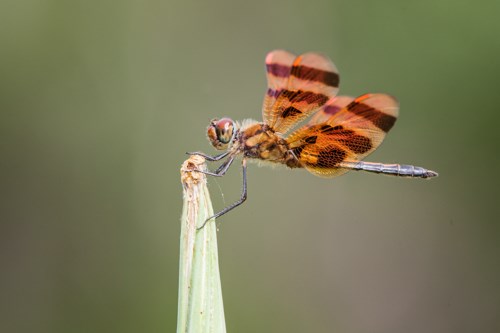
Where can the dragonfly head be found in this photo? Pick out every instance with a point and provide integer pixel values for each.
(221, 132)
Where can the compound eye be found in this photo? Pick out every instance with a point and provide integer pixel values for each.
(220, 133)
(224, 129)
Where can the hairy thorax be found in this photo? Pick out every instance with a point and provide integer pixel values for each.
(259, 141)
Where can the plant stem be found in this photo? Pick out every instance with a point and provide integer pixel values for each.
(200, 307)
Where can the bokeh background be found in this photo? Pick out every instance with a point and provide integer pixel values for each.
(99, 100)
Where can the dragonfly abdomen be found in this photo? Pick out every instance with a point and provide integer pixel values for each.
(400, 170)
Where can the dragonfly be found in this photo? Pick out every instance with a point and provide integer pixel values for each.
(338, 132)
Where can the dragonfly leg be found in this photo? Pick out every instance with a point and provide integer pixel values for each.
(208, 157)
(221, 170)
(235, 204)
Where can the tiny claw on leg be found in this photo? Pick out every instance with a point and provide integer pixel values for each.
(206, 221)
(191, 153)
(208, 173)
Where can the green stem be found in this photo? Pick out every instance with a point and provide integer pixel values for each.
(200, 308)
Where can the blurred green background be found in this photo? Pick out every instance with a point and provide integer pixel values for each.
(99, 101)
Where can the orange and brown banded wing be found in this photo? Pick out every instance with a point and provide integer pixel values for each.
(278, 66)
(373, 112)
(348, 136)
(312, 80)
(319, 149)
(369, 115)
(333, 106)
